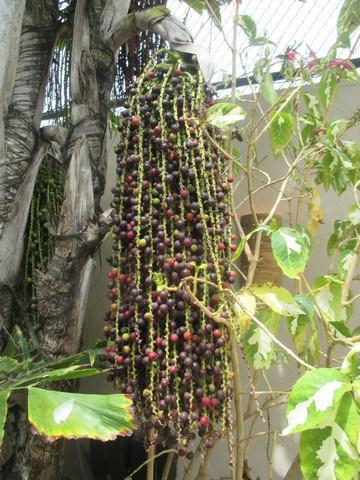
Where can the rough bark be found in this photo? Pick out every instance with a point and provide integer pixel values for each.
(63, 288)
(11, 14)
(22, 125)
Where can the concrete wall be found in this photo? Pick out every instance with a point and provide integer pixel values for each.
(280, 378)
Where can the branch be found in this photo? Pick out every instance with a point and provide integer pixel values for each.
(168, 465)
(239, 414)
(164, 452)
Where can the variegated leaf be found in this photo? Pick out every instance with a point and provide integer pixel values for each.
(330, 451)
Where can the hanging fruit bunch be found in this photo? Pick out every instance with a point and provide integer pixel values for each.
(171, 228)
(39, 243)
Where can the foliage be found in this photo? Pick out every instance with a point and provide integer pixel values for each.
(318, 155)
(60, 414)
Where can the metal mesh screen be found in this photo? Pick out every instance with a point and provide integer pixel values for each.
(303, 25)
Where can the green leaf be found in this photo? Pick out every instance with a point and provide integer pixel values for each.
(337, 128)
(345, 260)
(291, 248)
(224, 114)
(327, 87)
(4, 395)
(79, 415)
(17, 344)
(258, 346)
(342, 328)
(264, 78)
(351, 362)
(248, 301)
(313, 107)
(241, 245)
(259, 41)
(281, 131)
(329, 452)
(8, 364)
(268, 90)
(328, 298)
(69, 373)
(314, 398)
(247, 24)
(198, 5)
(278, 299)
(298, 325)
(213, 8)
(348, 21)
(314, 347)
(354, 215)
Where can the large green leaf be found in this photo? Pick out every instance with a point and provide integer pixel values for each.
(4, 395)
(281, 130)
(330, 452)
(328, 298)
(291, 248)
(79, 415)
(314, 398)
(278, 299)
(224, 114)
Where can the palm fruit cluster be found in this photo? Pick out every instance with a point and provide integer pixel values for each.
(39, 241)
(171, 228)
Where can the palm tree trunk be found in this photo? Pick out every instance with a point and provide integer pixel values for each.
(22, 124)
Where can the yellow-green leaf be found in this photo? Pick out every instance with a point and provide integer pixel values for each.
(246, 301)
(224, 114)
(79, 415)
(278, 299)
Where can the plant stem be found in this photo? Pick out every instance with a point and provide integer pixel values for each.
(164, 452)
(167, 466)
(239, 421)
(151, 457)
(271, 462)
(204, 465)
(190, 471)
